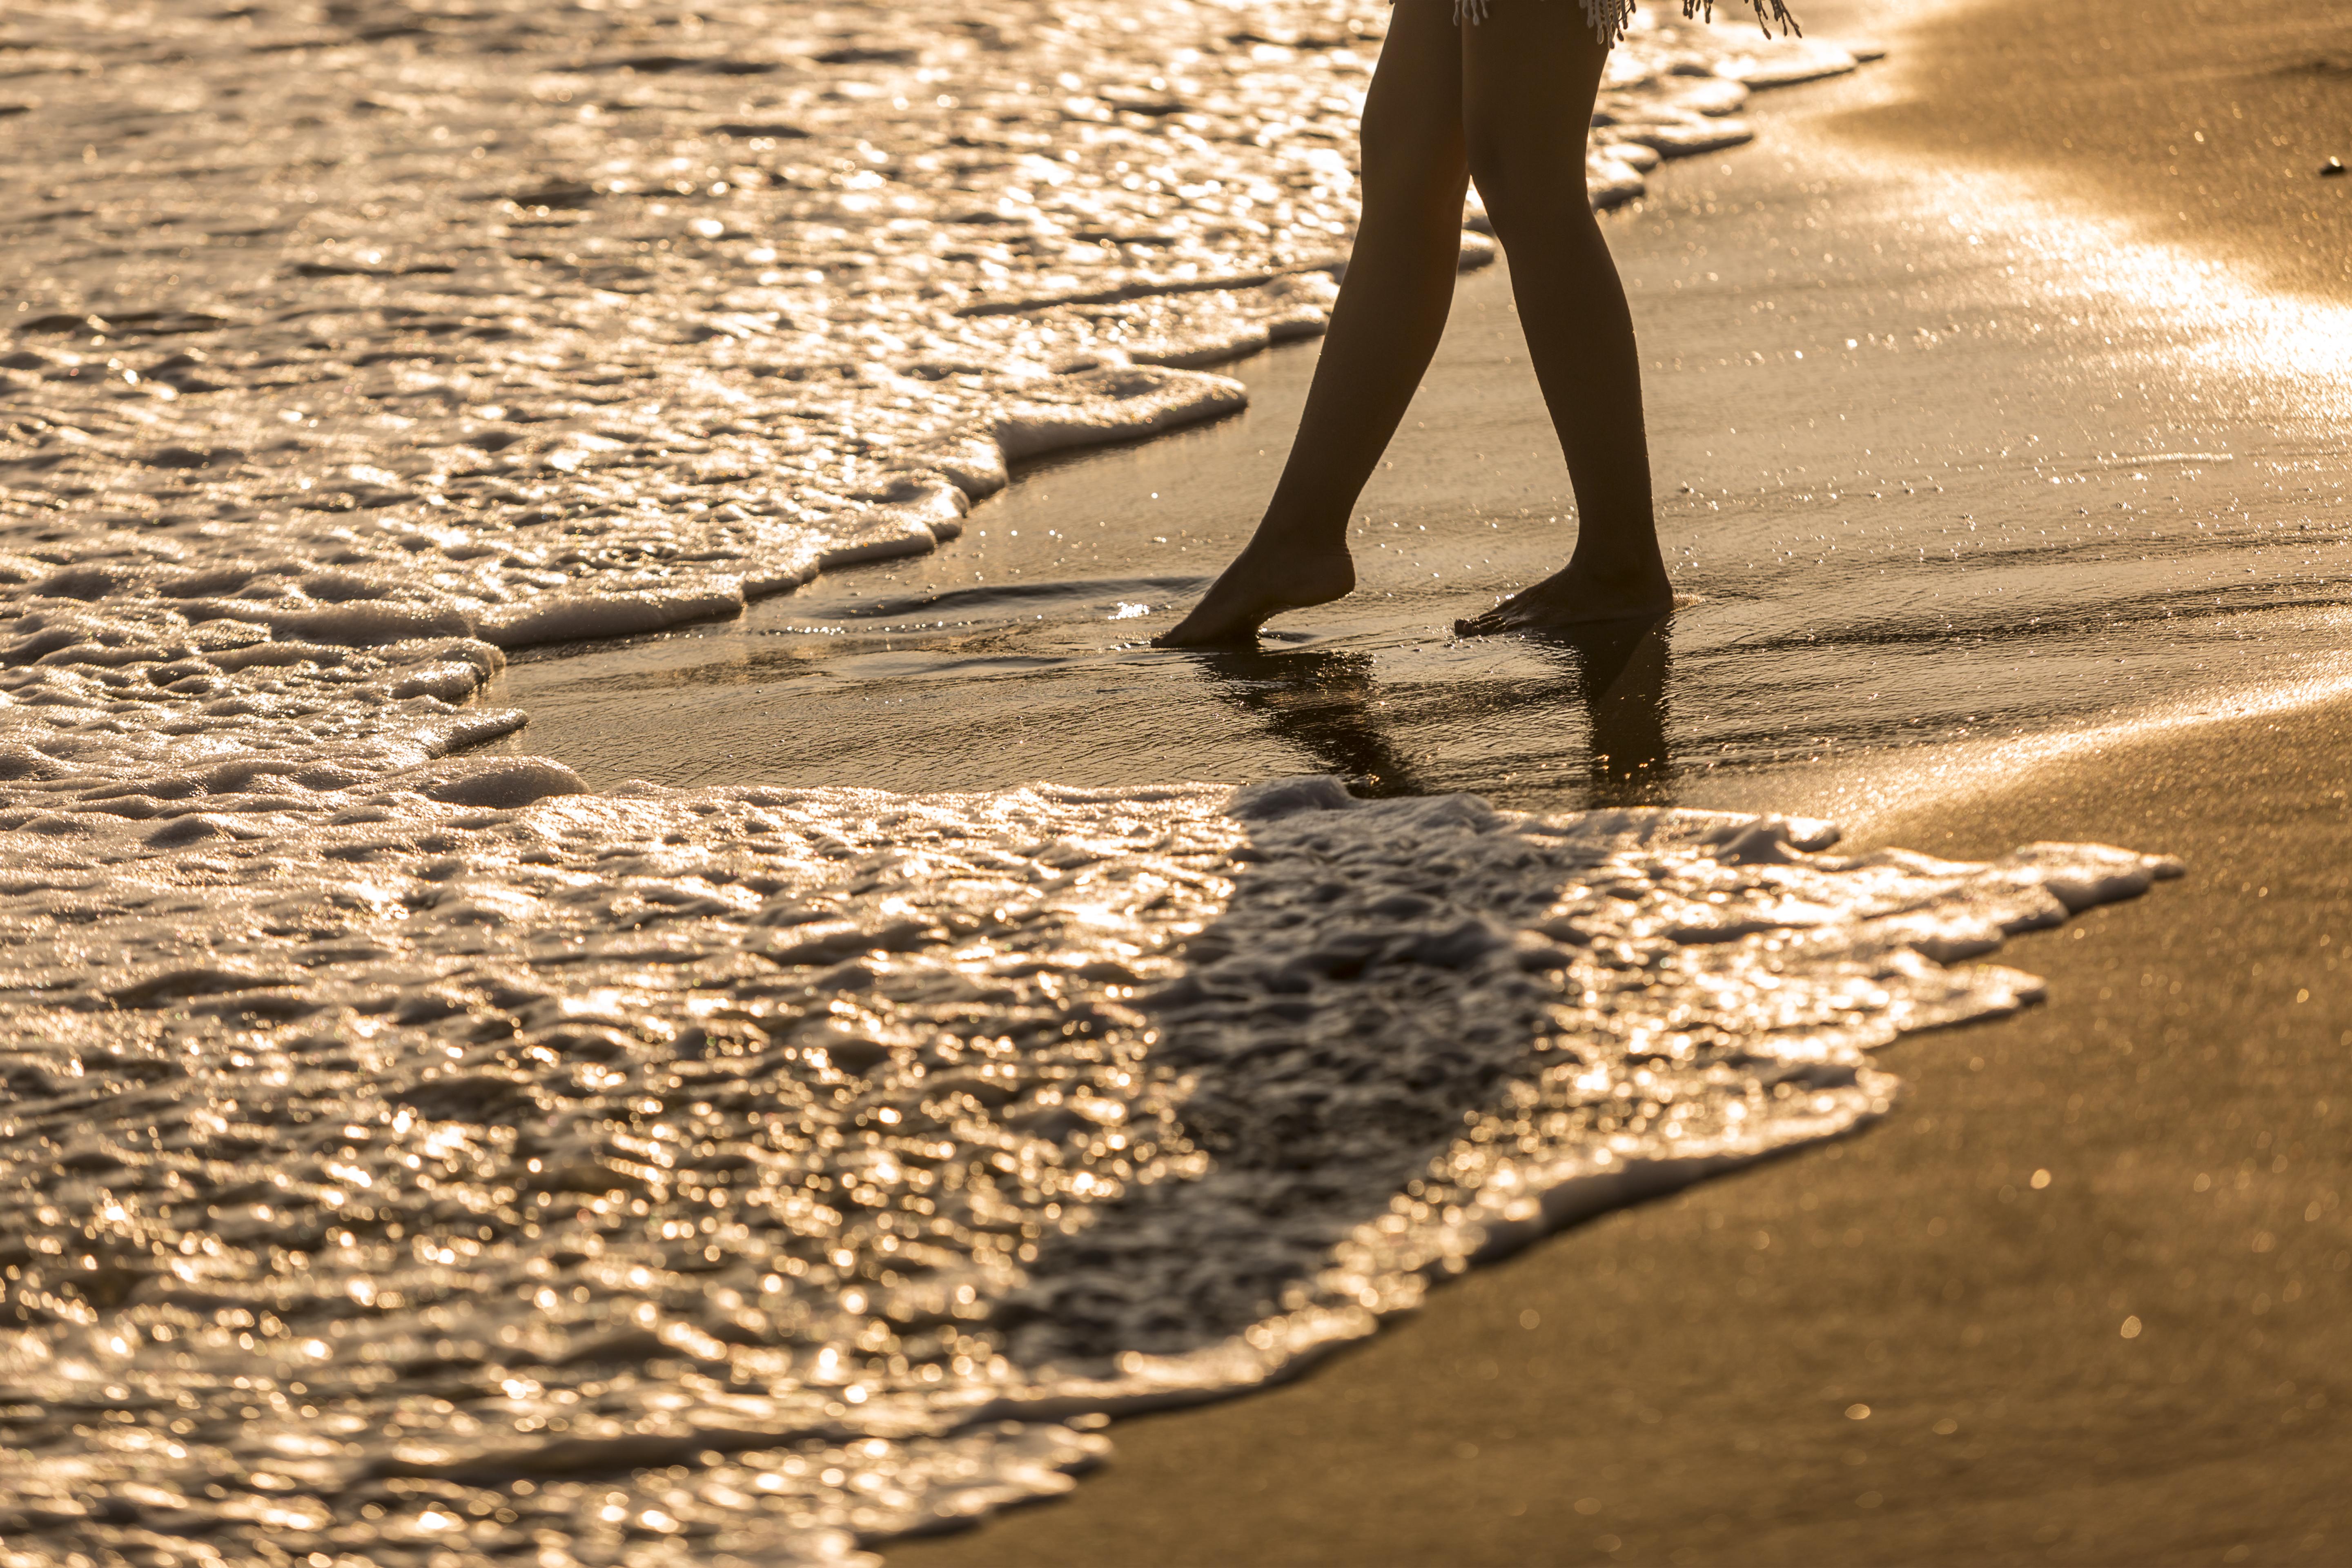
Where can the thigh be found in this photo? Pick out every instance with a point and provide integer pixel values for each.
(1530, 71)
(1413, 111)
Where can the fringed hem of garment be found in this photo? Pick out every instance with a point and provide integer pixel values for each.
(1610, 17)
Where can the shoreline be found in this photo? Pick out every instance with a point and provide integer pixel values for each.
(1861, 793)
(524, 867)
(2086, 1287)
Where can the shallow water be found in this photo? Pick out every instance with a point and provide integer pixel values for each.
(414, 1156)
(2056, 479)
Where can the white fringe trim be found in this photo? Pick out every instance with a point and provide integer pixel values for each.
(1608, 17)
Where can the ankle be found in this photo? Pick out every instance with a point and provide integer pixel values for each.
(1617, 566)
(1294, 533)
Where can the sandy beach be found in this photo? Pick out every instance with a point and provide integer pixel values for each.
(781, 1063)
(2082, 1296)
(2208, 121)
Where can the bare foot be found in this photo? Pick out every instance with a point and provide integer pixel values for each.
(1266, 579)
(1572, 596)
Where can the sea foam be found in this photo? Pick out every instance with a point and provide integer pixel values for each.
(737, 1174)
(418, 1157)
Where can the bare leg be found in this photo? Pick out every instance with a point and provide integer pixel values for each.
(1384, 327)
(1529, 75)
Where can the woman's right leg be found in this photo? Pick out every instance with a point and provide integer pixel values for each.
(1384, 329)
(1529, 75)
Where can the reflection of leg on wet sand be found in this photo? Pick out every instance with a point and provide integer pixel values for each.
(1620, 673)
(1325, 703)
(1320, 701)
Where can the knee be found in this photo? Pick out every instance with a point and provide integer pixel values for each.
(1516, 170)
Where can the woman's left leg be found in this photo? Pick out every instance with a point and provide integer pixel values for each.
(1390, 312)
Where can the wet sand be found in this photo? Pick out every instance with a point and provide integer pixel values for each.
(2207, 120)
(1679, 1383)
(2082, 1298)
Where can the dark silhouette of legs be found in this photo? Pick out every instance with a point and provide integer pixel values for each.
(1509, 102)
(1329, 703)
